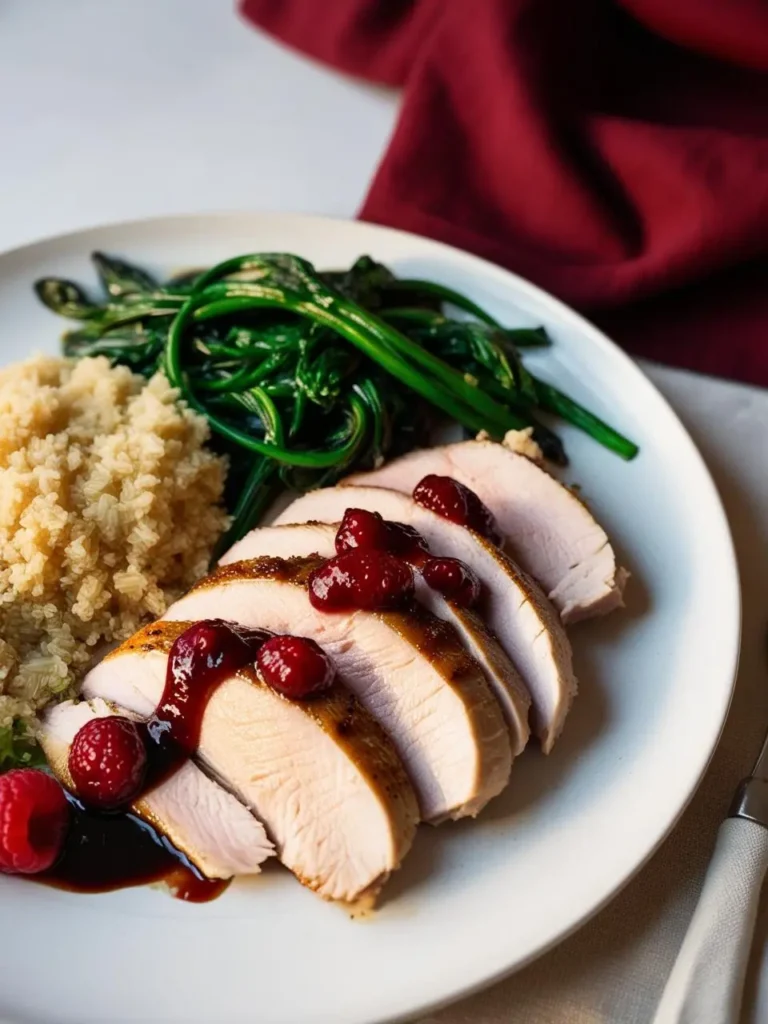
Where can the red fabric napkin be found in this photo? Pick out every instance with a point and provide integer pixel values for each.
(613, 151)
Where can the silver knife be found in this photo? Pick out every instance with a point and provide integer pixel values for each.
(707, 981)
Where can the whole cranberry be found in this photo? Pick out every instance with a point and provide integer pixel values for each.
(453, 579)
(107, 762)
(295, 666)
(371, 580)
(361, 530)
(452, 500)
(34, 814)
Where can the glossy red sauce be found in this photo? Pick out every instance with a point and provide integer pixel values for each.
(369, 580)
(363, 575)
(295, 666)
(407, 543)
(454, 579)
(200, 659)
(104, 851)
(362, 530)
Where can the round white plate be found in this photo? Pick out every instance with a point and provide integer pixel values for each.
(474, 900)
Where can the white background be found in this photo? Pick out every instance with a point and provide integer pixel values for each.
(114, 109)
(127, 108)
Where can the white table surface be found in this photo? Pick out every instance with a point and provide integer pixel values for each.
(111, 110)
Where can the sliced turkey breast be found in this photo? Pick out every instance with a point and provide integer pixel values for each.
(513, 606)
(216, 833)
(549, 531)
(503, 678)
(302, 539)
(406, 667)
(321, 774)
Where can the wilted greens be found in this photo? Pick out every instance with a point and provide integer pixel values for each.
(304, 376)
(18, 749)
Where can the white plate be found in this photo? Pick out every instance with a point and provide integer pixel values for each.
(474, 900)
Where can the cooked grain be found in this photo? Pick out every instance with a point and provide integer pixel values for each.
(109, 509)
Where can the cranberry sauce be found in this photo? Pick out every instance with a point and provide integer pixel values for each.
(370, 580)
(361, 530)
(364, 575)
(200, 659)
(454, 579)
(104, 852)
(407, 543)
(295, 666)
(114, 851)
(452, 500)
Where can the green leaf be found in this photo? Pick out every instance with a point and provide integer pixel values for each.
(121, 278)
(65, 298)
(363, 283)
(460, 341)
(18, 749)
(132, 345)
(526, 337)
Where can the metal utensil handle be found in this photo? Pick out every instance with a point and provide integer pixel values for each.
(707, 980)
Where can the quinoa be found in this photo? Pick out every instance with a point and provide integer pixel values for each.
(109, 509)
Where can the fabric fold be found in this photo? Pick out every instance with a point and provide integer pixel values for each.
(615, 152)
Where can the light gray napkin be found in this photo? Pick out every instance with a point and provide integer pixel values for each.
(707, 981)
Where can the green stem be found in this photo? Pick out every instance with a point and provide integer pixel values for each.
(450, 391)
(441, 291)
(243, 298)
(244, 378)
(322, 459)
(412, 314)
(553, 400)
(495, 417)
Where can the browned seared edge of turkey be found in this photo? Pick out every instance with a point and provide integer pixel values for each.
(513, 605)
(321, 774)
(302, 539)
(338, 713)
(408, 669)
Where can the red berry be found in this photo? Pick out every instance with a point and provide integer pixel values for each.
(372, 580)
(361, 530)
(107, 762)
(406, 542)
(454, 579)
(295, 666)
(452, 500)
(33, 821)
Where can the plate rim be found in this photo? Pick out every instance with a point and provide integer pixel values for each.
(566, 313)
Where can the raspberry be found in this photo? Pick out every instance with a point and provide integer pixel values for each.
(107, 762)
(34, 813)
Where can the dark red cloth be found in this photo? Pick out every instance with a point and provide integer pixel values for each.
(613, 151)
